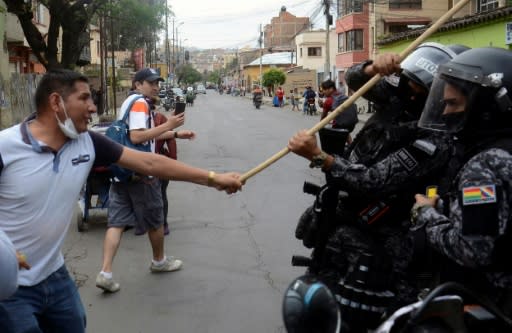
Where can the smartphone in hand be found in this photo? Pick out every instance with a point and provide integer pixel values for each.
(180, 108)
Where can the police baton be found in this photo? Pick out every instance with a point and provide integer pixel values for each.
(360, 92)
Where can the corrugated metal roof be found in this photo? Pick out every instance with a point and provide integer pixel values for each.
(281, 58)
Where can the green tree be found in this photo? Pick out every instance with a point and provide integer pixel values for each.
(273, 77)
(214, 77)
(137, 21)
(135, 25)
(188, 74)
(72, 17)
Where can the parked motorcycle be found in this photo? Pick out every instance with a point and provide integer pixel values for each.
(169, 103)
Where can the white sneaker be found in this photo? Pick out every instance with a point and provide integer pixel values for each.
(107, 284)
(170, 265)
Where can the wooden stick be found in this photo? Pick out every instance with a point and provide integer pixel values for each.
(360, 92)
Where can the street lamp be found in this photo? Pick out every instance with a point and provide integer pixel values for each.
(182, 50)
(174, 42)
(174, 29)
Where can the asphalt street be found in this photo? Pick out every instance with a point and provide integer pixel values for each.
(236, 248)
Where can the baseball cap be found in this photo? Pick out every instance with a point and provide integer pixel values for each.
(147, 74)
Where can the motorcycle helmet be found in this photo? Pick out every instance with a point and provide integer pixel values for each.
(471, 94)
(310, 307)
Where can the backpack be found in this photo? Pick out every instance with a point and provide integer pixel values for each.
(119, 132)
(348, 118)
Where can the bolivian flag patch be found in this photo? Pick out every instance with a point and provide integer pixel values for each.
(476, 195)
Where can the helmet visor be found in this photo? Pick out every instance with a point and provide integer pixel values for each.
(422, 64)
(447, 105)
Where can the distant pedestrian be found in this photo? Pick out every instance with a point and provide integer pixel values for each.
(294, 99)
(309, 95)
(280, 97)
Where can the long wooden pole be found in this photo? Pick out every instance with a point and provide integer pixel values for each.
(360, 92)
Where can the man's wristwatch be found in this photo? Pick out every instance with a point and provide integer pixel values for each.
(318, 160)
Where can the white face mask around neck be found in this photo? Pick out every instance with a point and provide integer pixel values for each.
(67, 127)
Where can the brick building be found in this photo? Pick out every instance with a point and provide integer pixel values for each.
(280, 34)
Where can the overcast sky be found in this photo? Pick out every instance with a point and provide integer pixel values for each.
(231, 23)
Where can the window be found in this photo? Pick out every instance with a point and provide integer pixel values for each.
(346, 7)
(314, 51)
(487, 5)
(350, 41)
(39, 13)
(404, 4)
(341, 42)
(301, 52)
(354, 40)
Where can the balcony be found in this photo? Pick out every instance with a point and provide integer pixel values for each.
(13, 30)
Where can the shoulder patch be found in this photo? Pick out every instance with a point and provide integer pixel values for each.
(477, 195)
(406, 159)
(425, 146)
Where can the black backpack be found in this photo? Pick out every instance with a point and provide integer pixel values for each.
(346, 119)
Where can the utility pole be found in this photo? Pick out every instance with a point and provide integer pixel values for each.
(104, 42)
(173, 48)
(328, 19)
(103, 86)
(113, 63)
(260, 40)
(167, 51)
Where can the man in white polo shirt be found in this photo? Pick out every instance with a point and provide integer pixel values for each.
(43, 163)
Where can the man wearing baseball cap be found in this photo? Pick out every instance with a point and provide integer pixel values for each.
(147, 74)
(139, 200)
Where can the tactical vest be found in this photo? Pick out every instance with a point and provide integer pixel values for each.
(376, 141)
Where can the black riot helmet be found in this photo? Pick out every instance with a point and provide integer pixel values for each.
(420, 68)
(471, 94)
(310, 307)
(421, 65)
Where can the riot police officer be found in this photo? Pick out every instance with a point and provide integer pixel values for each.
(398, 98)
(380, 173)
(471, 98)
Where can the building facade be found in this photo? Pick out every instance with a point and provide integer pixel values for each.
(311, 52)
(280, 34)
(489, 28)
(21, 59)
(360, 24)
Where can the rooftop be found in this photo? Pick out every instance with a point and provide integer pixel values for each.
(281, 58)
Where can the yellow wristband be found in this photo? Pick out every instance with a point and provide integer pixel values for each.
(211, 178)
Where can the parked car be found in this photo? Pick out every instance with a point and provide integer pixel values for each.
(201, 89)
(178, 92)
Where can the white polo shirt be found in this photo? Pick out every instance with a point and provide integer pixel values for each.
(39, 189)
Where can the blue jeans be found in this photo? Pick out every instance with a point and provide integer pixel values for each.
(52, 306)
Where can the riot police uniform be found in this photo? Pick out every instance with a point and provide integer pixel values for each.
(387, 163)
(471, 99)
